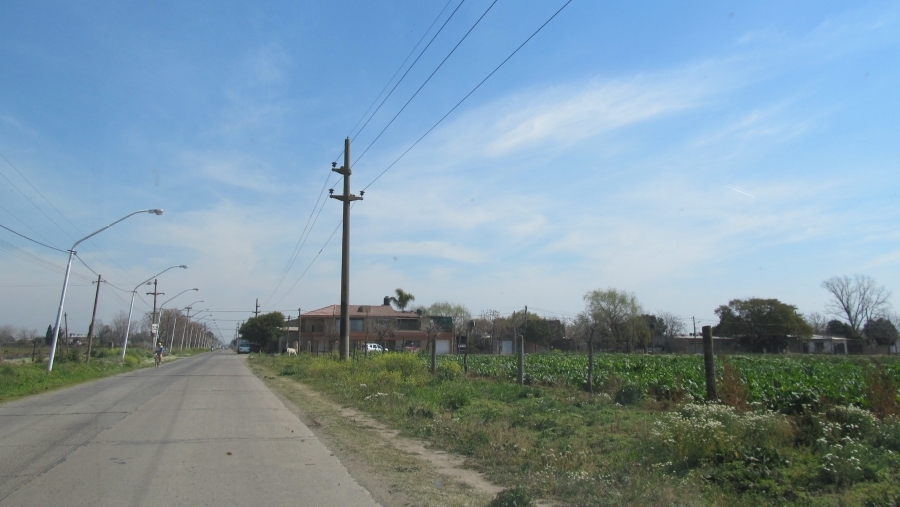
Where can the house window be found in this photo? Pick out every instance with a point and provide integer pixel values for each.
(356, 325)
(408, 324)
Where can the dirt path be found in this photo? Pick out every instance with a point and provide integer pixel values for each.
(398, 471)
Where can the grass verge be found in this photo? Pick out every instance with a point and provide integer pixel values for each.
(621, 447)
(23, 378)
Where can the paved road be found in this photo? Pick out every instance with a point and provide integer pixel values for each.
(197, 431)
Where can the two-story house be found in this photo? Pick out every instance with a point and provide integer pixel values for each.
(382, 324)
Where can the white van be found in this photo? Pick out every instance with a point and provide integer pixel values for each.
(373, 347)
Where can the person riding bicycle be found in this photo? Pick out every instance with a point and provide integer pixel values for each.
(159, 352)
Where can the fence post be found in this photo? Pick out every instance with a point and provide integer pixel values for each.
(709, 364)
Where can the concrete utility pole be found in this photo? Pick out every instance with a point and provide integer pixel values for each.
(93, 317)
(346, 197)
(153, 320)
(299, 314)
(256, 312)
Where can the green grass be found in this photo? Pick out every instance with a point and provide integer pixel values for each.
(20, 379)
(555, 441)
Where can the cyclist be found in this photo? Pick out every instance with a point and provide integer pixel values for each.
(159, 352)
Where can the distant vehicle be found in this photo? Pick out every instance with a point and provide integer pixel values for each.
(243, 347)
(374, 347)
(411, 347)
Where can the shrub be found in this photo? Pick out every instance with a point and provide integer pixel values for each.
(515, 497)
(449, 371)
(629, 394)
(882, 393)
(131, 361)
(731, 389)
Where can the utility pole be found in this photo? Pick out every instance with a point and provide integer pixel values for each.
(256, 312)
(93, 317)
(346, 197)
(695, 326)
(153, 320)
(187, 324)
(299, 314)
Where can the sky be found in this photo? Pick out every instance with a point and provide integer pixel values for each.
(688, 153)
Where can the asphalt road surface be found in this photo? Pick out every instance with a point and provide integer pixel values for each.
(196, 431)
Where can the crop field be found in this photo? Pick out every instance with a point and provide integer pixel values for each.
(790, 430)
(776, 382)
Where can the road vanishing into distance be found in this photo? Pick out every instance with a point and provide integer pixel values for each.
(196, 431)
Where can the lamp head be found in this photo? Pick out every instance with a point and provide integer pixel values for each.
(156, 211)
(183, 266)
(195, 288)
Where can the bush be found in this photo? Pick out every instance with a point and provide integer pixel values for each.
(629, 394)
(515, 497)
(131, 361)
(449, 371)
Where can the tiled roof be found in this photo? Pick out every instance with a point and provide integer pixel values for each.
(361, 311)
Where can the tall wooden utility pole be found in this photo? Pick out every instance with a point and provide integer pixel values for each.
(93, 318)
(256, 312)
(346, 197)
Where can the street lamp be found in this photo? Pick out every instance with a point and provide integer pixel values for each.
(191, 336)
(62, 298)
(159, 319)
(184, 329)
(175, 321)
(130, 309)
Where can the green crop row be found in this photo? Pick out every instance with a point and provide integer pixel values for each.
(776, 382)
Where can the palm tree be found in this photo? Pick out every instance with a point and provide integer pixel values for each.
(403, 299)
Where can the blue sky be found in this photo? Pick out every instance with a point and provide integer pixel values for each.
(690, 154)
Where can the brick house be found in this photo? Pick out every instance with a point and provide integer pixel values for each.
(382, 324)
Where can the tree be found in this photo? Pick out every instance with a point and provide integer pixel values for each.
(817, 322)
(403, 299)
(881, 331)
(611, 311)
(7, 334)
(537, 330)
(856, 298)
(838, 328)
(672, 326)
(459, 313)
(264, 329)
(48, 336)
(762, 325)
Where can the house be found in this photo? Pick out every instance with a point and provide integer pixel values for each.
(819, 344)
(382, 324)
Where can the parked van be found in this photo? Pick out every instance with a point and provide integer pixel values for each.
(243, 347)
(373, 347)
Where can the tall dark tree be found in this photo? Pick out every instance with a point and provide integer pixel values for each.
(264, 329)
(881, 331)
(838, 328)
(763, 325)
(48, 337)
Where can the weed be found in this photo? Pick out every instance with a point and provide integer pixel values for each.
(629, 394)
(882, 395)
(515, 497)
(732, 390)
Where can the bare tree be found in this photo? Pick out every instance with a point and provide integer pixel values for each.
(856, 298)
(7, 334)
(817, 322)
(673, 326)
(119, 323)
(27, 335)
(459, 313)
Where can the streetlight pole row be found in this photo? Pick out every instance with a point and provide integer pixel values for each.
(131, 308)
(62, 298)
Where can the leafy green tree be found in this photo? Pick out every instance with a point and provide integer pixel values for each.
(403, 299)
(537, 330)
(611, 311)
(881, 331)
(459, 313)
(264, 329)
(48, 336)
(838, 328)
(762, 325)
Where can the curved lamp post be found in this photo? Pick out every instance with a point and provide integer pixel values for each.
(175, 320)
(130, 309)
(159, 319)
(191, 337)
(62, 298)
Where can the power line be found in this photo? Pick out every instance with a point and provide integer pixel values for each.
(407, 72)
(33, 241)
(427, 80)
(469, 94)
(307, 228)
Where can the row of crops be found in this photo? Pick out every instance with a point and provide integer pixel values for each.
(777, 382)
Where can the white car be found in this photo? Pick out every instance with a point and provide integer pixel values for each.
(374, 347)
